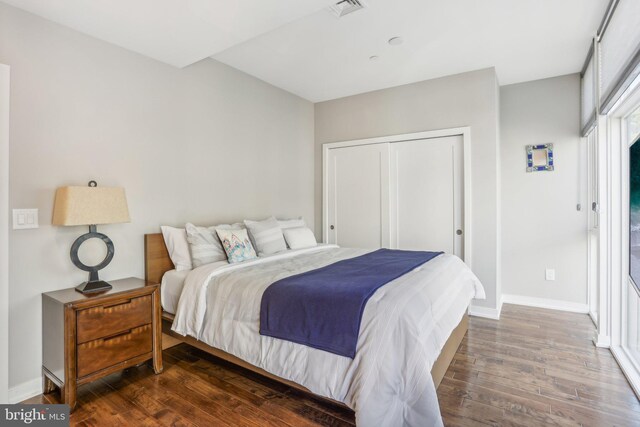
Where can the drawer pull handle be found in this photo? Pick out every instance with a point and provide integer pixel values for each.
(116, 304)
(117, 336)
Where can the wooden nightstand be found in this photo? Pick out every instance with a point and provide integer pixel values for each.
(86, 337)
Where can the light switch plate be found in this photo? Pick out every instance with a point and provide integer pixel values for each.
(550, 274)
(25, 218)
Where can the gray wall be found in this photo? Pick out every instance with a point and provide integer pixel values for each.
(206, 144)
(541, 225)
(469, 99)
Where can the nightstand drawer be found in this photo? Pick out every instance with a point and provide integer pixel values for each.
(105, 352)
(106, 320)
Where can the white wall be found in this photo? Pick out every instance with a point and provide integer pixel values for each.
(469, 99)
(206, 144)
(540, 224)
(4, 227)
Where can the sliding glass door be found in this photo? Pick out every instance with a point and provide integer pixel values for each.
(630, 335)
(621, 287)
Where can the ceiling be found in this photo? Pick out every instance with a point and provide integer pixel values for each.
(302, 47)
(321, 57)
(178, 32)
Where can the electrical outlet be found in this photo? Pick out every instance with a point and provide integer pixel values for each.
(550, 274)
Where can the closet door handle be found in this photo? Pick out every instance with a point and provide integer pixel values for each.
(332, 227)
(459, 232)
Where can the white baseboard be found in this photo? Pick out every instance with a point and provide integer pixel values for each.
(553, 304)
(25, 391)
(629, 368)
(486, 312)
(602, 341)
(593, 318)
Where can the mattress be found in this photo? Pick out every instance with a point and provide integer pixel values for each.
(171, 288)
(404, 326)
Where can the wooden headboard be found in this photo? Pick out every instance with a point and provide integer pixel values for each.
(156, 258)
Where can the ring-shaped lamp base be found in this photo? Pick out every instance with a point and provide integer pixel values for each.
(94, 284)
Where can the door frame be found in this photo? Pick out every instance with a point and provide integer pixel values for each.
(593, 228)
(614, 234)
(464, 132)
(4, 233)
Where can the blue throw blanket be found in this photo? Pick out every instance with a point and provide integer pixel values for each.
(323, 308)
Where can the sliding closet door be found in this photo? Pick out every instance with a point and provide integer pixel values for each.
(427, 195)
(358, 196)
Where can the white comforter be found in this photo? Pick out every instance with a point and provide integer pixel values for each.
(404, 327)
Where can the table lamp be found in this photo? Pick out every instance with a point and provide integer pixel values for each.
(91, 206)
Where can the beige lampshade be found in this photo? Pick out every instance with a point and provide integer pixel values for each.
(90, 206)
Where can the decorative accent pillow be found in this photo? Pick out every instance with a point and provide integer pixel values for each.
(300, 237)
(204, 244)
(267, 236)
(175, 239)
(236, 244)
(291, 223)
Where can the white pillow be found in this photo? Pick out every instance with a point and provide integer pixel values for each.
(291, 223)
(266, 236)
(236, 244)
(300, 237)
(204, 244)
(175, 239)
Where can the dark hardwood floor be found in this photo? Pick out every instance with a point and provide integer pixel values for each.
(534, 367)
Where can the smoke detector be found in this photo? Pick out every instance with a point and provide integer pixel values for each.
(346, 7)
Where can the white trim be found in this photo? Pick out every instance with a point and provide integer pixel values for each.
(4, 233)
(486, 312)
(398, 138)
(465, 132)
(552, 304)
(602, 341)
(619, 240)
(606, 172)
(592, 232)
(629, 368)
(594, 318)
(25, 391)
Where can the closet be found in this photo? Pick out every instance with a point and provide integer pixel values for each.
(405, 194)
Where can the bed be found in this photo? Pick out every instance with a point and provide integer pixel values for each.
(216, 311)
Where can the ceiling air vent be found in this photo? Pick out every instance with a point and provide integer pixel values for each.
(345, 7)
